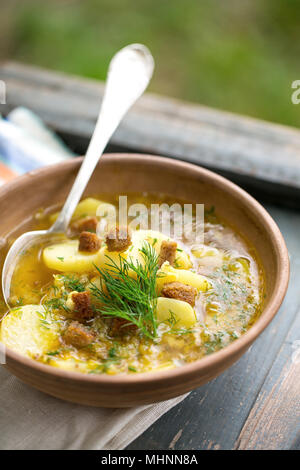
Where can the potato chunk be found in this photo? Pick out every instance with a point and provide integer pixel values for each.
(155, 239)
(29, 330)
(89, 207)
(86, 207)
(184, 314)
(169, 274)
(65, 257)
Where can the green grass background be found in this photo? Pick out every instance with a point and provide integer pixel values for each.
(237, 55)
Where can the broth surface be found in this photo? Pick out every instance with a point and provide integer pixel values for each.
(225, 309)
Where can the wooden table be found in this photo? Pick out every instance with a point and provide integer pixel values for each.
(256, 403)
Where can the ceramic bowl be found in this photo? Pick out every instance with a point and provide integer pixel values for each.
(120, 174)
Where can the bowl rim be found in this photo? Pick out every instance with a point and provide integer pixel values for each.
(205, 363)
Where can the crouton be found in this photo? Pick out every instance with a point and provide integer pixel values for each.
(167, 252)
(78, 335)
(89, 242)
(86, 224)
(118, 239)
(82, 305)
(179, 291)
(120, 326)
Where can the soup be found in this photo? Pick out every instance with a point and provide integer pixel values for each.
(127, 299)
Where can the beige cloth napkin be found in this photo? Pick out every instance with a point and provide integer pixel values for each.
(30, 419)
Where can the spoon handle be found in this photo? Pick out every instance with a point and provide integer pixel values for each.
(129, 73)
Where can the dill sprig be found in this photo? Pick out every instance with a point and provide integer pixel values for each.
(72, 283)
(55, 303)
(44, 322)
(131, 298)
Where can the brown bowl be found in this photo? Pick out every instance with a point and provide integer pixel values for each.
(122, 173)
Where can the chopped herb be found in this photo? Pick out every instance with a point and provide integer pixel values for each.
(112, 353)
(70, 282)
(44, 322)
(181, 331)
(112, 358)
(20, 301)
(56, 304)
(172, 320)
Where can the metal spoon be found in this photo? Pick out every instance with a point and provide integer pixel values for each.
(129, 73)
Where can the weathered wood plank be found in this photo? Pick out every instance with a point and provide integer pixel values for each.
(274, 421)
(213, 416)
(249, 150)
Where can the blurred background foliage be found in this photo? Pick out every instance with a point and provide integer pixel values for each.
(237, 55)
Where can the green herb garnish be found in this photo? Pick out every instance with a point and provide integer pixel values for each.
(70, 282)
(44, 322)
(133, 299)
(55, 304)
(53, 353)
(112, 358)
(172, 321)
